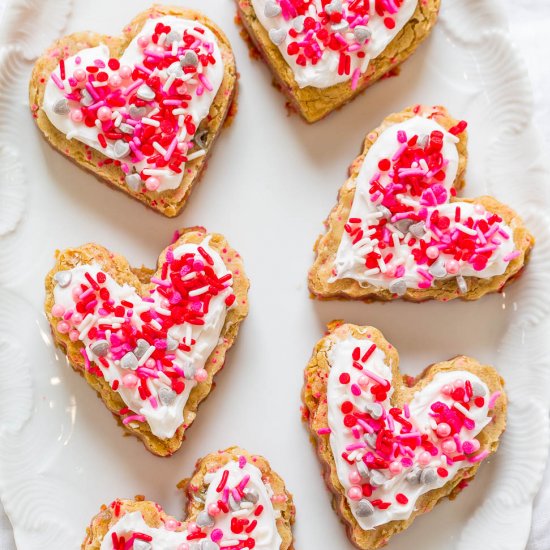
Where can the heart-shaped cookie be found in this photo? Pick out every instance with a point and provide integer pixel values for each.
(235, 501)
(398, 229)
(140, 111)
(392, 446)
(149, 342)
(324, 53)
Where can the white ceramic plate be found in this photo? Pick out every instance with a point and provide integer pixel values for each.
(271, 181)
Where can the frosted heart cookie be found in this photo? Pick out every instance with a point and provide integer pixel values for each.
(149, 342)
(234, 501)
(323, 53)
(398, 229)
(393, 446)
(140, 111)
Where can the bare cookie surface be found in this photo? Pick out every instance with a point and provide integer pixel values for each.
(323, 55)
(393, 446)
(234, 500)
(149, 342)
(140, 111)
(399, 229)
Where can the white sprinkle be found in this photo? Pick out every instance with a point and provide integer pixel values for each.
(156, 172)
(146, 355)
(464, 229)
(156, 324)
(199, 291)
(159, 148)
(169, 82)
(188, 334)
(98, 84)
(162, 311)
(463, 410)
(179, 111)
(196, 155)
(150, 122)
(382, 265)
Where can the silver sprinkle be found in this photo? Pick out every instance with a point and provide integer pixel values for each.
(403, 225)
(189, 371)
(370, 439)
(141, 347)
(176, 69)
(145, 92)
(414, 476)
(100, 348)
(120, 149)
(385, 212)
(171, 343)
(204, 519)
(478, 389)
(334, 6)
(375, 410)
(377, 478)
(136, 112)
(126, 128)
(272, 9)
(362, 467)
(298, 23)
(208, 544)
(129, 361)
(438, 270)
(190, 58)
(133, 181)
(251, 495)
(398, 286)
(462, 284)
(427, 476)
(417, 229)
(423, 141)
(167, 396)
(364, 508)
(171, 37)
(233, 504)
(277, 36)
(63, 278)
(85, 98)
(61, 107)
(361, 33)
(141, 545)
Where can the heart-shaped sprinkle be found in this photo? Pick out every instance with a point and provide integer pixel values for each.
(61, 107)
(63, 278)
(213, 523)
(152, 349)
(144, 108)
(329, 43)
(405, 230)
(392, 442)
(272, 9)
(133, 181)
(277, 36)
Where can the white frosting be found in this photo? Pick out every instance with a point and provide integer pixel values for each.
(349, 262)
(325, 72)
(340, 437)
(266, 534)
(199, 106)
(165, 419)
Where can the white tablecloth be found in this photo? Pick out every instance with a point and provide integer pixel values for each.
(529, 24)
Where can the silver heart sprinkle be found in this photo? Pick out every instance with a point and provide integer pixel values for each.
(251, 495)
(428, 476)
(272, 9)
(126, 128)
(120, 149)
(141, 545)
(340, 27)
(167, 396)
(190, 58)
(136, 112)
(204, 519)
(438, 270)
(361, 33)
(298, 23)
(364, 508)
(418, 229)
(61, 107)
(399, 287)
(100, 348)
(171, 37)
(334, 6)
(141, 347)
(133, 181)
(277, 36)
(146, 93)
(176, 69)
(129, 361)
(63, 278)
(85, 98)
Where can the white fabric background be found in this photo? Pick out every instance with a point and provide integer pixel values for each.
(529, 24)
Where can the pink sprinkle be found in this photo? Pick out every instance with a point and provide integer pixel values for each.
(493, 398)
(406, 410)
(131, 418)
(355, 389)
(401, 136)
(511, 256)
(242, 464)
(86, 359)
(479, 457)
(323, 431)
(58, 81)
(355, 79)
(205, 82)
